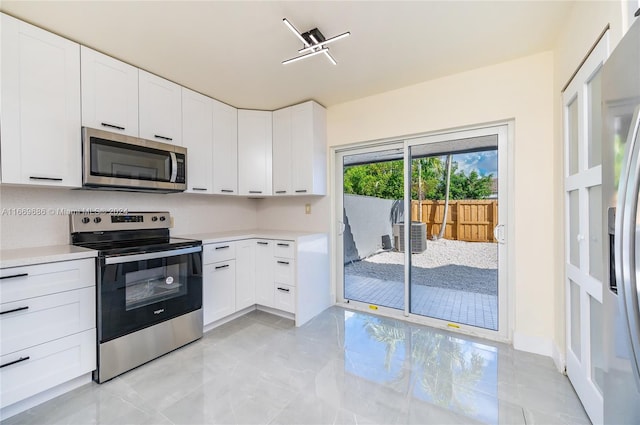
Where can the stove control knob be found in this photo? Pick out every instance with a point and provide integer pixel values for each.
(154, 218)
(97, 220)
(163, 218)
(85, 220)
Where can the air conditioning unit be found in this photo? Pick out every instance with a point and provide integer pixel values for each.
(418, 237)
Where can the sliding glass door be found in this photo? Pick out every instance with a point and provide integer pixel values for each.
(421, 231)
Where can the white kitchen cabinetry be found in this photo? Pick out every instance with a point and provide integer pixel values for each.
(109, 93)
(299, 150)
(219, 281)
(254, 153)
(48, 333)
(284, 276)
(160, 109)
(225, 149)
(40, 103)
(197, 137)
(245, 274)
(264, 272)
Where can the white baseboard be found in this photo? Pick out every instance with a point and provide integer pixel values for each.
(559, 359)
(534, 344)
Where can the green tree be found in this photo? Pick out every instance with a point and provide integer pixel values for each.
(386, 180)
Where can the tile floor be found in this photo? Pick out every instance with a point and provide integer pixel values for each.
(465, 307)
(343, 367)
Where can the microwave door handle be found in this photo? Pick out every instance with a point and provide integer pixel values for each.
(174, 167)
(625, 241)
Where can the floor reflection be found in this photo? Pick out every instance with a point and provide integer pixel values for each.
(426, 364)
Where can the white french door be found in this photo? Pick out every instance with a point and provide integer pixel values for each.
(584, 260)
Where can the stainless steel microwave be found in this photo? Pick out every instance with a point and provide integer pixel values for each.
(119, 162)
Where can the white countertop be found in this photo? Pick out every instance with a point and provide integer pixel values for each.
(234, 235)
(43, 254)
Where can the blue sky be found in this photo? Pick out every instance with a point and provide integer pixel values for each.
(485, 162)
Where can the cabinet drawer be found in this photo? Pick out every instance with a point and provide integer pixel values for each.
(285, 298)
(44, 366)
(284, 249)
(34, 321)
(216, 252)
(18, 283)
(284, 271)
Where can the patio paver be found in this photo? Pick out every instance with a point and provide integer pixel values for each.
(463, 307)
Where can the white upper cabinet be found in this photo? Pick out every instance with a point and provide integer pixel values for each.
(225, 149)
(197, 137)
(40, 102)
(299, 150)
(254, 152)
(160, 109)
(109, 93)
(282, 159)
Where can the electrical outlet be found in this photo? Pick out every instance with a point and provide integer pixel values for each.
(307, 208)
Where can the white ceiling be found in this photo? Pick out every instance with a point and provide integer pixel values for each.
(232, 50)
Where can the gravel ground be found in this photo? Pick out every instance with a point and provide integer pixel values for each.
(465, 266)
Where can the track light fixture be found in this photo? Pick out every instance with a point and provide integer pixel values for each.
(313, 43)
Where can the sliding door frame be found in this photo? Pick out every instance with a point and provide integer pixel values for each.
(506, 296)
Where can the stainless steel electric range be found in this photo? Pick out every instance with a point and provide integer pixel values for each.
(149, 287)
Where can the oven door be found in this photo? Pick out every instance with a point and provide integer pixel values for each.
(139, 290)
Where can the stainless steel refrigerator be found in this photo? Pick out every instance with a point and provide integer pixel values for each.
(620, 182)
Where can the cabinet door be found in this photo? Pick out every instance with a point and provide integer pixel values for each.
(219, 291)
(40, 95)
(225, 149)
(109, 93)
(282, 159)
(254, 152)
(160, 110)
(264, 273)
(245, 274)
(308, 147)
(197, 137)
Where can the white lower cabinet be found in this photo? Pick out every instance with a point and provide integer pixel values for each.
(47, 327)
(245, 274)
(219, 290)
(264, 272)
(285, 297)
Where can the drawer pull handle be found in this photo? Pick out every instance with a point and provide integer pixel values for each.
(14, 310)
(222, 267)
(198, 188)
(226, 191)
(117, 127)
(21, 359)
(263, 243)
(301, 191)
(222, 247)
(53, 179)
(281, 191)
(15, 275)
(283, 262)
(283, 244)
(255, 191)
(283, 289)
(157, 136)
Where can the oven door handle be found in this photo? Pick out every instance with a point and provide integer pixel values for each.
(119, 259)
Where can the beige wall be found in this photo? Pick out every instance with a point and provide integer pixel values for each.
(520, 90)
(192, 213)
(585, 23)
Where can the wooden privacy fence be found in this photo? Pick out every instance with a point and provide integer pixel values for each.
(470, 220)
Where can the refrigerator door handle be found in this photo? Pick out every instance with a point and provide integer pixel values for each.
(625, 244)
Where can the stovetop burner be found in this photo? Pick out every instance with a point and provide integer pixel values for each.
(121, 234)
